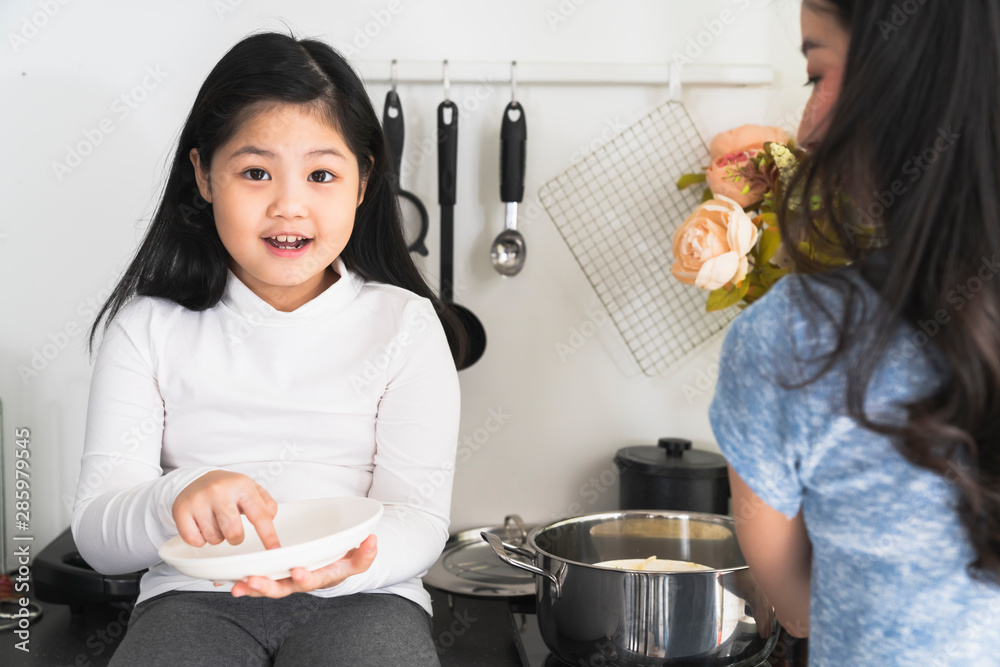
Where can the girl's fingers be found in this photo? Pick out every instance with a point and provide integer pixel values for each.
(260, 587)
(188, 529)
(363, 557)
(354, 562)
(302, 580)
(209, 510)
(263, 521)
(205, 518)
(230, 524)
(269, 502)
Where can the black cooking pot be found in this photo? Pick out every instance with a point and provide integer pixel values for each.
(672, 476)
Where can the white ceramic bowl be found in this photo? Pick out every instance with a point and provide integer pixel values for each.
(313, 533)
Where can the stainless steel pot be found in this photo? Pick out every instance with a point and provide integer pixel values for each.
(599, 616)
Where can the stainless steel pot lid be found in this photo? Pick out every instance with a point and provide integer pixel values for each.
(468, 566)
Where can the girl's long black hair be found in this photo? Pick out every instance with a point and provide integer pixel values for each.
(914, 143)
(182, 257)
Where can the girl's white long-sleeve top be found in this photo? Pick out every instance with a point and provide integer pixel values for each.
(353, 394)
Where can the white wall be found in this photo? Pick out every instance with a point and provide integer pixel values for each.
(64, 240)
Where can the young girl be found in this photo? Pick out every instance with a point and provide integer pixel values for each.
(273, 341)
(859, 408)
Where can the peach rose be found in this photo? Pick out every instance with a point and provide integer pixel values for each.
(723, 179)
(710, 248)
(743, 138)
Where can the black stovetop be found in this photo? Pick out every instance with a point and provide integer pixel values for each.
(536, 653)
(522, 629)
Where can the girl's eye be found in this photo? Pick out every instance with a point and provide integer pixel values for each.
(813, 80)
(256, 170)
(323, 173)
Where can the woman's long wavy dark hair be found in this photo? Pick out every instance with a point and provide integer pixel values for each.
(914, 142)
(182, 257)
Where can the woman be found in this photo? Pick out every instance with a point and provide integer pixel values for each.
(859, 408)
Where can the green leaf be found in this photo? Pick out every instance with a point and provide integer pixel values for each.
(831, 260)
(754, 293)
(771, 275)
(770, 241)
(687, 180)
(724, 297)
(708, 195)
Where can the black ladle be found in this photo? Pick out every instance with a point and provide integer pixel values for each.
(447, 126)
(395, 131)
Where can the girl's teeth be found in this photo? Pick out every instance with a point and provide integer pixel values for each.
(287, 242)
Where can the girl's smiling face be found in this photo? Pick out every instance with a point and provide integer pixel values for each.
(824, 44)
(285, 173)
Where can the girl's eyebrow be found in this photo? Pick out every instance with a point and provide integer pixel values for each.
(810, 44)
(253, 150)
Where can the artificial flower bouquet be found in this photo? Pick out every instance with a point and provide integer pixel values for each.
(731, 244)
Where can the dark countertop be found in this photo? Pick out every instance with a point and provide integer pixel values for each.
(59, 638)
(475, 633)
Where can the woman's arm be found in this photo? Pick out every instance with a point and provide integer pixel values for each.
(779, 554)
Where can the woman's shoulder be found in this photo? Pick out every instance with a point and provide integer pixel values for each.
(803, 306)
(797, 323)
(768, 318)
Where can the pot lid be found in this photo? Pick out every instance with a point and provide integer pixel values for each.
(672, 457)
(468, 566)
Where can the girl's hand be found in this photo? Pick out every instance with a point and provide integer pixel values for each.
(302, 580)
(209, 508)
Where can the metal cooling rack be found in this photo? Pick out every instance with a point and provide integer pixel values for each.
(617, 210)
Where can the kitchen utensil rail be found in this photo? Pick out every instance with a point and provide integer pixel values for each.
(540, 73)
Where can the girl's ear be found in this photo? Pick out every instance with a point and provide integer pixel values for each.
(203, 183)
(364, 181)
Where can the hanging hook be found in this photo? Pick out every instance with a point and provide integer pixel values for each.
(392, 75)
(447, 82)
(513, 82)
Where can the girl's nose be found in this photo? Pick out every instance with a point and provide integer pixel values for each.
(289, 200)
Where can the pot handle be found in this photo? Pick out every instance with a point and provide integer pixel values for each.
(500, 548)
